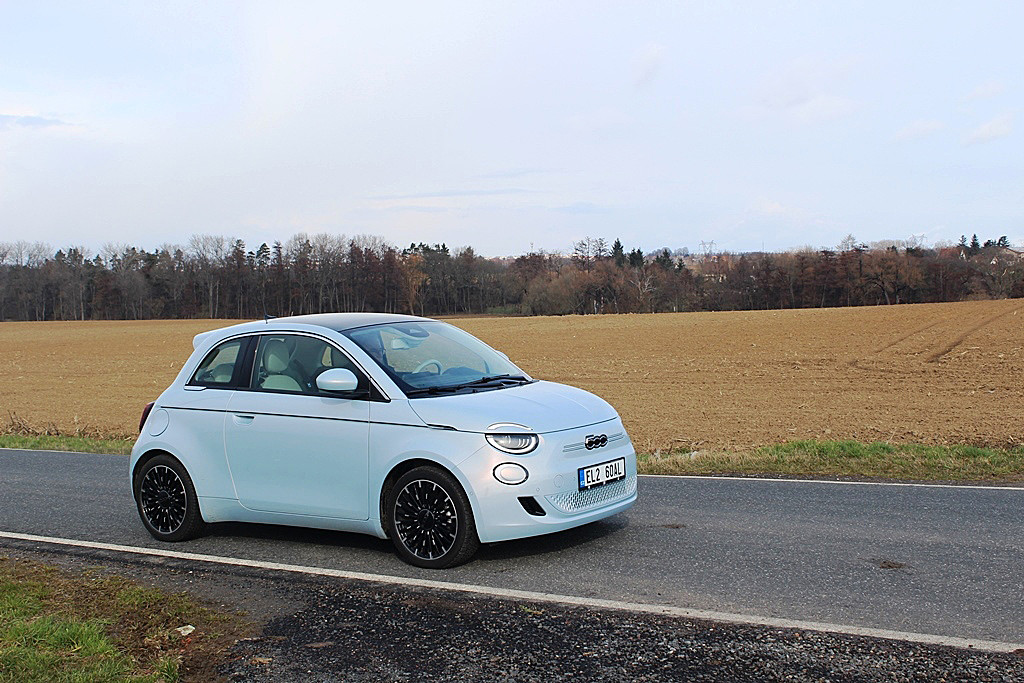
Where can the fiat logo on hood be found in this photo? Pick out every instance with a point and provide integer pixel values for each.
(595, 441)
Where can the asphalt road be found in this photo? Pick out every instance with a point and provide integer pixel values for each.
(945, 561)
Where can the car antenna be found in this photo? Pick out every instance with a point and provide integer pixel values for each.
(267, 317)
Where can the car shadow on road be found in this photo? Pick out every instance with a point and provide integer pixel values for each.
(557, 542)
(304, 535)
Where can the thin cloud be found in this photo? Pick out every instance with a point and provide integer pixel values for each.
(511, 173)
(580, 208)
(805, 92)
(918, 129)
(412, 208)
(8, 121)
(999, 127)
(818, 108)
(823, 108)
(453, 193)
(986, 90)
(647, 63)
(603, 120)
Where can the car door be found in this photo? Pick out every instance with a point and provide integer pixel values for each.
(292, 448)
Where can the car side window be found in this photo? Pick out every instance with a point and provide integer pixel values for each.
(291, 363)
(218, 368)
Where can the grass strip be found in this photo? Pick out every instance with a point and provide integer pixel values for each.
(848, 459)
(56, 626)
(852, 459)
(76, 444)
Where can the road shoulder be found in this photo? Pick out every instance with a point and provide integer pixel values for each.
(358, 631)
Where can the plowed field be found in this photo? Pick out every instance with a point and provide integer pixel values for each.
(934, 373)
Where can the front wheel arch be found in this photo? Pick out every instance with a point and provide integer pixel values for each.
(465, 539)
(405, 466)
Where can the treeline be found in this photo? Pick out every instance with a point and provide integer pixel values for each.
(220, 277)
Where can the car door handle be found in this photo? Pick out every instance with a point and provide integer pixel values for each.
(243, 419)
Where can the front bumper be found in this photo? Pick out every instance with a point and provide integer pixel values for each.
(552, 484)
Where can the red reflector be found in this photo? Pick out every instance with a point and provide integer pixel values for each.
(145, 414)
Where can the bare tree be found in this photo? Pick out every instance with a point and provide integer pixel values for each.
(208, 253)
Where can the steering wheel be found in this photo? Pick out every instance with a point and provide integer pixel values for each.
(426, 364)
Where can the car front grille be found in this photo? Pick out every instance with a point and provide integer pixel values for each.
(579, 501)
(579, 446)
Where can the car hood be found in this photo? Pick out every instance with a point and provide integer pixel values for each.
(539, 406)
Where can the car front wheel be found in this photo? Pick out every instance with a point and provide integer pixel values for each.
(166, 500)
(429, 519)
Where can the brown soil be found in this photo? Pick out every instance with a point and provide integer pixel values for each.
(929, 373)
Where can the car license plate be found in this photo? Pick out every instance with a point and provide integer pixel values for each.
(597, 475)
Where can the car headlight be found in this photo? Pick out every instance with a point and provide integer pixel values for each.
(516, 444)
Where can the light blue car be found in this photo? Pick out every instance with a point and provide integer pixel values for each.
(397, 426)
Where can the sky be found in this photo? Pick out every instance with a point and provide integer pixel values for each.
(512, 126)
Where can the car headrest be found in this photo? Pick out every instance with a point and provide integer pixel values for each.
(276, 356)
(338, 359)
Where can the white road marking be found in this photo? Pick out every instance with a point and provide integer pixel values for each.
(665, 610)
(706, 477)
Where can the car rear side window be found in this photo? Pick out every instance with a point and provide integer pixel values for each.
(218, 368)
(291, 363)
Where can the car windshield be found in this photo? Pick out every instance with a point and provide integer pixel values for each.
(431, 358)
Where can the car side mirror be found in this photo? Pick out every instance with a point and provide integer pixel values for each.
(337, 380)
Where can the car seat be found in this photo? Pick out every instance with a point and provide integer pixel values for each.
(276, 360)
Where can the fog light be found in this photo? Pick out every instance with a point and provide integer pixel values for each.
(510, 473)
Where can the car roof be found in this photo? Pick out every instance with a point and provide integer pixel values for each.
(338, 322)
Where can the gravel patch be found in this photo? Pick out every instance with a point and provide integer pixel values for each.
(358, 632)
(323, 630)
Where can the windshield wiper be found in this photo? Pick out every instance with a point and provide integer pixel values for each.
(466, 385)
(432, 390)
(493, 378)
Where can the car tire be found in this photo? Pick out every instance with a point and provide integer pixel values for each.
(429, 519)
(166, 500)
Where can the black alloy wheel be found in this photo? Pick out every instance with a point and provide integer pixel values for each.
(166, 500)
(430, 520)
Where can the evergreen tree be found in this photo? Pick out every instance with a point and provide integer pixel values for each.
(618, 253)
(636, 259)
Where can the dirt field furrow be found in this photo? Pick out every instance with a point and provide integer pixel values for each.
(931, 373)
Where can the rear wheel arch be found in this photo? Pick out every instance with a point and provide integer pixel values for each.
(153, 453)
(165, 497)
(146, 457)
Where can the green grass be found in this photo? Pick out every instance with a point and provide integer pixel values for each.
(56, 626)
(849, 459)
(77, 444)
(39, 645)
(795, 458)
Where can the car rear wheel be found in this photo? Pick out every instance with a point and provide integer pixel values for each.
(429, 519)
(166, 500)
